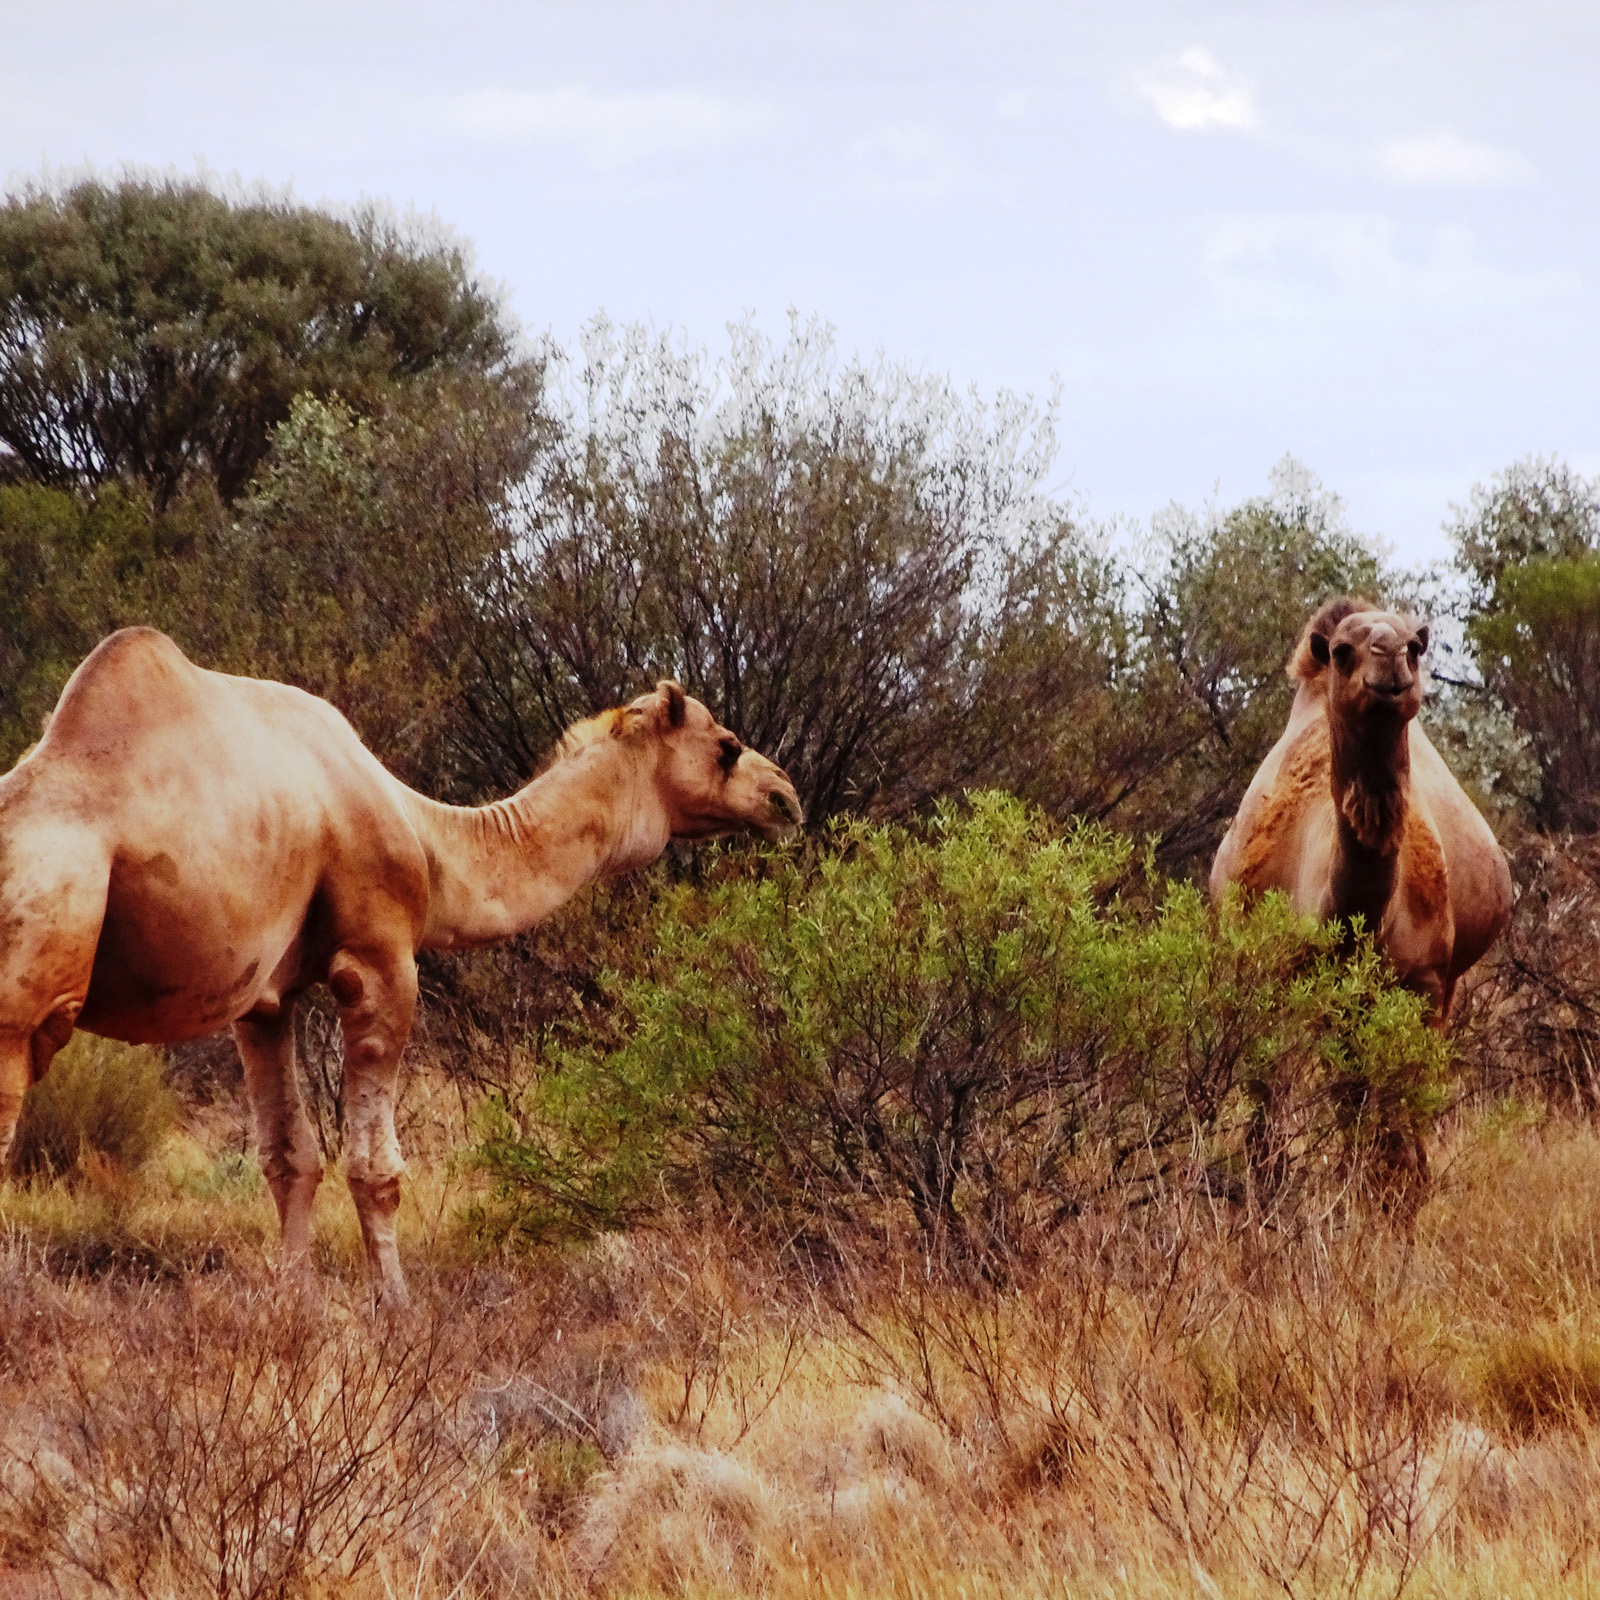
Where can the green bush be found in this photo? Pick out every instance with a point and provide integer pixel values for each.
(976, 1030)
(99, 1096)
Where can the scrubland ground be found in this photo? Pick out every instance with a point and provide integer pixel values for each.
(1172, 1400)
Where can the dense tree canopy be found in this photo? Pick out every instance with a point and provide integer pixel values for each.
(157, 330)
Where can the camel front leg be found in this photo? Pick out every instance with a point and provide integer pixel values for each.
(286, 1143)
(376, 995)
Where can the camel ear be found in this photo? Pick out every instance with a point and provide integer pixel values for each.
(1422, 638)
(677, 701)
(1319, 648)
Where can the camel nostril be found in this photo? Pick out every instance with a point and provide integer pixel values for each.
(784, 809)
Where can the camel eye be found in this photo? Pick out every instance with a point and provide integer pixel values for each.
(1345, 656)
(728, 752)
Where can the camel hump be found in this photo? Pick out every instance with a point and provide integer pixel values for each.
(131, 677)
(128, 647)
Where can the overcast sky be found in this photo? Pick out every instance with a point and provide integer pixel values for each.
(1367, 235)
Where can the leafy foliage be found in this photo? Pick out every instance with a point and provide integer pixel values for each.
(984, 1028)
(802, 543)
(358, 564)
(156, 330)
(1530, 544)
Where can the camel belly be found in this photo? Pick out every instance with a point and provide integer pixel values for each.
(178, 958)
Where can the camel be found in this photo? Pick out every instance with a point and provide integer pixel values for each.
(184, 850)
(1354, 812)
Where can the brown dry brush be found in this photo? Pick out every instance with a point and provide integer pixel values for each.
(1530, 1023)
(1246, 1397)
(236, 1444)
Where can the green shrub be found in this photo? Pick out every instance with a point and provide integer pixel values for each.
(99, 1096)
(978, 1029)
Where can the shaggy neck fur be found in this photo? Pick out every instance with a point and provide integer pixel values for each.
(1371, 772)
(1371, 779)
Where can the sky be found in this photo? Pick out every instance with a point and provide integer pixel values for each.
(1365, 235)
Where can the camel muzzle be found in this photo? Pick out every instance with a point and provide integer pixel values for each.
(787, 814)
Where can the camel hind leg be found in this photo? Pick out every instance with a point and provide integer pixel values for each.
(16, 1074)
(376, 992)
(286, 1143)
(23, 1062)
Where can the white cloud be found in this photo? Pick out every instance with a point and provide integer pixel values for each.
(1192, 92)
(1309, 264)
(1447, 161)
(610, 128)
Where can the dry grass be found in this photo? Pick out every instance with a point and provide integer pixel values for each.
(1187, 1405)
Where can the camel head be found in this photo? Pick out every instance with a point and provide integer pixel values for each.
(708, 781)
(1371, 660)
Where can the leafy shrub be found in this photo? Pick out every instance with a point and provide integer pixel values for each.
(982, 1028)
(98, 1095)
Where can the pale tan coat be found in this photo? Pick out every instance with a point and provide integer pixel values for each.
(1354, 811)
(185, 850)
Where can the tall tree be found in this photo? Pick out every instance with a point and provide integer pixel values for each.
(1530, 544)
(156, 330)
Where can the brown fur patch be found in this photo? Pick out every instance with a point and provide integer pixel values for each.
(1303, 666)
(1304, 775)
(1427, 881)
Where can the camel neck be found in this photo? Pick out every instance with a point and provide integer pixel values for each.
(1371, 779)
(500, 869)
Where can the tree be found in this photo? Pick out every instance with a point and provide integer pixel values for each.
(72, 569)
(806, 545)
(357, 564)
(156, 330)
(1530, 544)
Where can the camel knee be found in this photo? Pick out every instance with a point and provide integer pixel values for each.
(379, 1162)
(372, 1149)
(375, 1196)
(288, 1154)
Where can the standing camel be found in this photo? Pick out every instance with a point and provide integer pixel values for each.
(184, 849)
(1353, 811)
